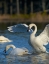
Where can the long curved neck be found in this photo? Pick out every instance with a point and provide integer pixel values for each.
(34, 32)
(10, 46)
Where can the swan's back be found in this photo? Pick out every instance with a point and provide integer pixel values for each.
(18, 51)
(4, 39)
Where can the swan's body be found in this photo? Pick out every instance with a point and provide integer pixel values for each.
(38, 42)
(18, 28)
(16, 51)
(4, 39)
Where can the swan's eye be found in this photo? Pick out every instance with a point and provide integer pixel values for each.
(25, 51)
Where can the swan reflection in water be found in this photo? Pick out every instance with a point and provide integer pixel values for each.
(27, 59)
(41, 58)
(38, 42)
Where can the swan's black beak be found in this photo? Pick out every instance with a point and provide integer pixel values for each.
(4, 51)
(28, 29)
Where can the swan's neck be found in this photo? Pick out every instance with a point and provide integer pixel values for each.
(10, 46)
(34, 32)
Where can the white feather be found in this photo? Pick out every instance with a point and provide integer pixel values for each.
(38, 41)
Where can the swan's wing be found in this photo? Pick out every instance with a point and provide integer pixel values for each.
(44, 36)
(10, 28)
(18, 28)
(21, 27)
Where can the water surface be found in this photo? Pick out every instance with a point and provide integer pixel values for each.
(21, 40)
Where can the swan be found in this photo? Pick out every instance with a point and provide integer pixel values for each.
(16, 51)
(18, 28)
(4, 39)
(38, 42)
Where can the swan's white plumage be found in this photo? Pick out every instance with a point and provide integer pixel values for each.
(44, 36)
(38, 41)
(4, 39)
(18, 28)
(16, 51)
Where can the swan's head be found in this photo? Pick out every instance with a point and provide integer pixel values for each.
(31, 26)
(8, 47)
(25, 51)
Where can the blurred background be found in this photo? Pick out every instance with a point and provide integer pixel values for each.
(24, 11)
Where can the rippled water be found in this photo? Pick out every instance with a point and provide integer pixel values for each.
(21, 40)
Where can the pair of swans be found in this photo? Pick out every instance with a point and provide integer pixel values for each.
(38, 42)
(4, 39)
(15, 50)
(17, 28)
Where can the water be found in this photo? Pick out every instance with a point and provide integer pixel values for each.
(21, 40)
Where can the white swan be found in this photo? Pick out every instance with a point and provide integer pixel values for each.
(16, 51)
(4, 39)
(38, 42)
(18, 28)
